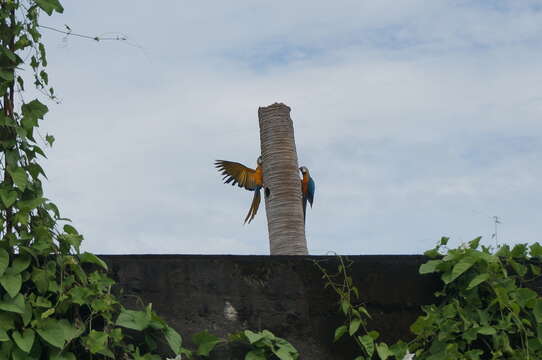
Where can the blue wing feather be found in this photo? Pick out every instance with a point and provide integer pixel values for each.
(311, 188)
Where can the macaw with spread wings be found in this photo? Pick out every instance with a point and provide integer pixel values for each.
(245, 177)
(307, 189)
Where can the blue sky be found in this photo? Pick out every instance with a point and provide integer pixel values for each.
(416, 119)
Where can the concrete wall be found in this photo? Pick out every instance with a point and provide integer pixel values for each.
(284, 294)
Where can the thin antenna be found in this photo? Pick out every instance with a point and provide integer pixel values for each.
(496, 222)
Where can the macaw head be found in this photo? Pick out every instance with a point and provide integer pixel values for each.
(304, 170)
(259, 161)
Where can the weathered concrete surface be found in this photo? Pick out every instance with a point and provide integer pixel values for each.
(284, 294)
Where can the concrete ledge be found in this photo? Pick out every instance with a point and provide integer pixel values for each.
(284, 294)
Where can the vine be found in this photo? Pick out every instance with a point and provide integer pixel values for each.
(52, 305)
(488, 307)
(356, 316)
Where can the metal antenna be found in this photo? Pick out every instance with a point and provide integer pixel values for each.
(496, 222)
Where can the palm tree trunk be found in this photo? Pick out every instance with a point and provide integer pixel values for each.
(282, 187)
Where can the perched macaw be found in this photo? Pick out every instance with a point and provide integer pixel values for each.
(307, 189)
(245, 177)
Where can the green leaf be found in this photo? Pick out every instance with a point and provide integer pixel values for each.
(526, 297)
(430, 267)
(8, 197)
(10, 55)
(345, 306)
(253, 337)
(31, 203)
(32, 111)
(383, 351)
(135, 320)
(52, 332)
(174, 340)
(419, 327)
(7, 320)
(27, 315)
(87, 257)
(461, 267)
(3, 335)
(206, 342)
(11, 282)
(433, 253)
(70, 331)
(79, 294)
(72, 239)
(6, 75)
(368, 344)
(400, 349)
(19, 177)
(49, 6)
(487, 330)
(47, 313)
(473, 244)
(536, 249)
(521, 270)
(256, 354)
(4, 260)
(537, 311)
(364, 311)
(477, 280)
(24, 340)
(40, 278)
(50, 139)
(15, 304)
(61, 355)
(42, 302)
(339, 332)
(519, 250)
(18, 354)
(354, 326)
(21, 263)
(96, 341)
(283, 354)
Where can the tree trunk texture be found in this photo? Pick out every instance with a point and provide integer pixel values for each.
(282, 186)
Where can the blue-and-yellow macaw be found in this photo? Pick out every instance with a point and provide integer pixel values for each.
(307, 189)
(250, 179)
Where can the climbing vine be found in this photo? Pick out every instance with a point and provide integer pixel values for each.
(55, 302)
(488, 307)
(356, 316)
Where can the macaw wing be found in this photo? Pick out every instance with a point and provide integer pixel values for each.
(236, 173)
(311, 188)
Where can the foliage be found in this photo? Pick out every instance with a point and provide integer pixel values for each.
(487, 307)
(265, 345)
(356, 316)
(262, 345)
(55, 302)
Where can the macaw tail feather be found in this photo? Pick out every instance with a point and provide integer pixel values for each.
(304, 208)
(254, 206)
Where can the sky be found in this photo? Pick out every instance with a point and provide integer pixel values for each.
(416, 119)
